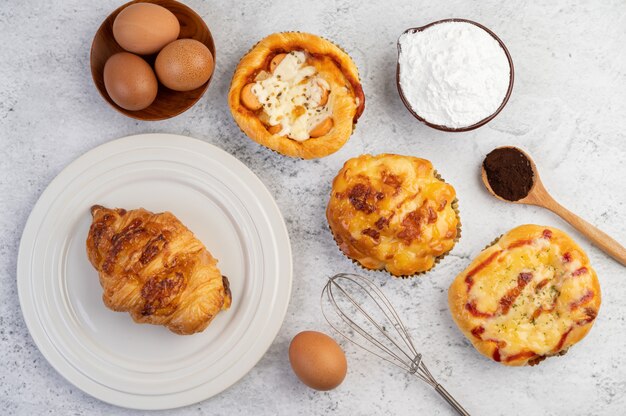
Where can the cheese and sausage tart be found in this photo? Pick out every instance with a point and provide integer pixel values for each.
(530, 295)
(297, 94)
(392, 212)
(153, 267)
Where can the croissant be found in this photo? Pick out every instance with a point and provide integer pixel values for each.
(153, 267)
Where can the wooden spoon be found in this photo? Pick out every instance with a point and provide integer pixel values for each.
(539, 196)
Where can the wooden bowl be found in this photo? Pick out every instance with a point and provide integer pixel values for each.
(481, 122)
(168, 103)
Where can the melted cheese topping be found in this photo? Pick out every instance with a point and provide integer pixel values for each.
(290, 97)
(392, 212)
(526, 294)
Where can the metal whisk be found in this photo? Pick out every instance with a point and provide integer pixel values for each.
(349, 294)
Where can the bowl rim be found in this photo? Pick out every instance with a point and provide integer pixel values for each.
(479, 123)
(134, 114)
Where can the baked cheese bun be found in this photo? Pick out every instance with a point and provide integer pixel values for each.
(530, 295)
(297, 94)
(392, 212)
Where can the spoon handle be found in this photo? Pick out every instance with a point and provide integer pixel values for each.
(598, 237)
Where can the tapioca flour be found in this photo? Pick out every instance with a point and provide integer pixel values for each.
(453, 74)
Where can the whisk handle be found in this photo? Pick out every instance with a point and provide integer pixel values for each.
(451, 400)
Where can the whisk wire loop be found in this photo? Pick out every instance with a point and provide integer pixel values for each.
(392, 358)
(400, 350)
(380, 328)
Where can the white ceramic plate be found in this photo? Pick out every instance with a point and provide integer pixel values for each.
(105, 353)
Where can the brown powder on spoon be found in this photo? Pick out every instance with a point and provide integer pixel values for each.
(509, 173)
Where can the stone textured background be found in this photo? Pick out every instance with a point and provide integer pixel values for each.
(567, 109)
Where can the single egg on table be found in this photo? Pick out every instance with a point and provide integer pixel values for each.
(184, 65)
(317, 360)
(145, 28)
(130, 81)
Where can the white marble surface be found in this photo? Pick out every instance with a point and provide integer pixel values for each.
(567, 109)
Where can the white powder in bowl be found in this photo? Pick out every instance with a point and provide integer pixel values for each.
(453, 74)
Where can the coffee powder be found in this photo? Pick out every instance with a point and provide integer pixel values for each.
(509, 173)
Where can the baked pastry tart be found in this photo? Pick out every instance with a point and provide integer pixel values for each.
(530, 295)
(297, 94)
(153, 267)
(393, 212)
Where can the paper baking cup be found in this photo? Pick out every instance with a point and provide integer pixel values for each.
(250, 50)
(455, 207)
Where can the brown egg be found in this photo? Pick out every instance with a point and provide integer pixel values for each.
(145, 28)
(130, 81)
(317, 360)
(184, 65)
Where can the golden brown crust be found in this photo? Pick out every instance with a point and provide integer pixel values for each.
(530, 295)
(153, 267)
(392, 212)
(333, 64)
